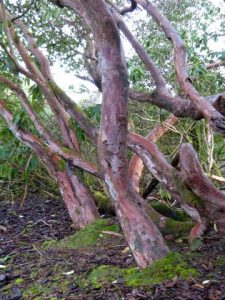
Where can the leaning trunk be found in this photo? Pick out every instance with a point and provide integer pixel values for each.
(143, 237)
(79, 202)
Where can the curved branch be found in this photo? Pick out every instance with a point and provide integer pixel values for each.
(130, 8)
(216, 64)
(136, 164)
(149, 63)
(180, 107)
(42, 148)
(216, 120)
(41, 77)
(195, 178)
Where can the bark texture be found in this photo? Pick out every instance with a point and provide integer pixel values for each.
(142, 235)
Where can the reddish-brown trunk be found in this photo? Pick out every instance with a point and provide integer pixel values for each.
(78, 200)
(212, 209)
(142, 235)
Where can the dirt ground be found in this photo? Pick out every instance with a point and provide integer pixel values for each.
(31, 269)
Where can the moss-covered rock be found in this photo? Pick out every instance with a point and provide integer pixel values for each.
(89, 235)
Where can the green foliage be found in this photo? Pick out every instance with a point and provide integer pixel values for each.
(196, 244)
(20, 169)
(220, 261)
(92, 112)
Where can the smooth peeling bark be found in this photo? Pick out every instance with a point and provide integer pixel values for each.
(136, 164)
(80, 205)
(156, 163)
(89, 209)
(78, 200)
(193, 175)
(167, 175)
(154, 182)
(143, 237)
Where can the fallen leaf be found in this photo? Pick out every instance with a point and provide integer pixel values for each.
(195, 244)
(2, 267)
(205, 282)
(3, 228)
(69, 273)
(198, 286)
(111, 233)
(127, 249)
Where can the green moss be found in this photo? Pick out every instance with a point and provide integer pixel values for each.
(16, 38)
(61, 165)
(103, 202)
(89, 235)
(170, 267)
(67, 150)
(56, 89)
(19, 281)
(104, 274)
(45, 291)
(220, 261)
(49, 243)
(177, 229)
(187, 194)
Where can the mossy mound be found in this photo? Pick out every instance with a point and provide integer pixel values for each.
(103, 275)
(176, 228)
(170, 267)
(89, 235)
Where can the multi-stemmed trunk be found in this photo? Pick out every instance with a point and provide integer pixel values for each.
(187, 184)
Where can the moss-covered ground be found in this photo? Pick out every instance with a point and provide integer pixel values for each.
(38, 262)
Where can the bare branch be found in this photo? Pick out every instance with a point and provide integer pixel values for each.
(216, 64)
